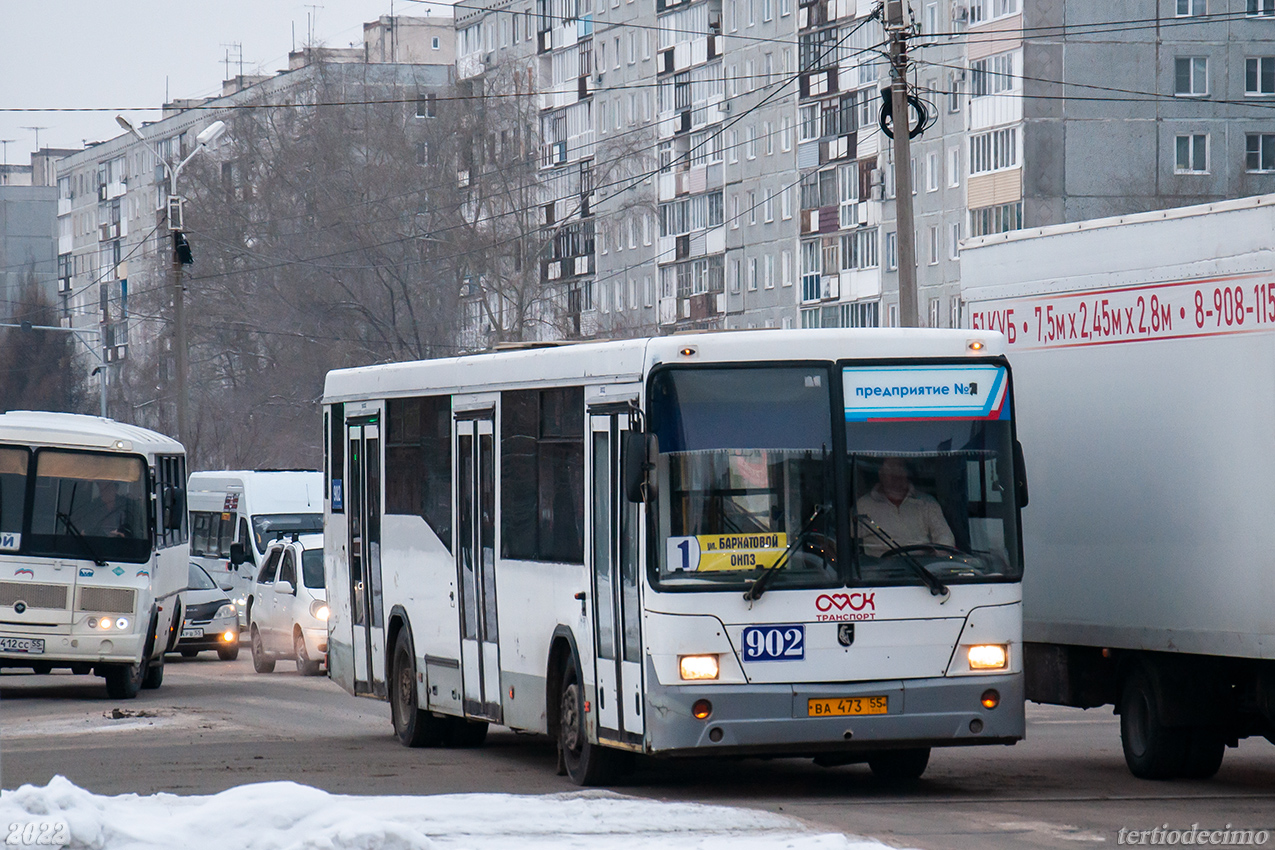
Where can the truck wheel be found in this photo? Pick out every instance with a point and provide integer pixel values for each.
(123, 681)
(154, 675)
(586, 763)
(1151, 749)
(900, 765)
(1204, 753)
(413, 725)
(261, 662)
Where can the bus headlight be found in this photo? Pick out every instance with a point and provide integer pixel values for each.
(989, 656)
(695, 667)
(319, 609)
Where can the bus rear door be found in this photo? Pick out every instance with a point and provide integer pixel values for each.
(363, 514)
(476, 562)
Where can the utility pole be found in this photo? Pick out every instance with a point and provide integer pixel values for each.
(897, 25)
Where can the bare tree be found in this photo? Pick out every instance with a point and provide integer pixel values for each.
(38, 368)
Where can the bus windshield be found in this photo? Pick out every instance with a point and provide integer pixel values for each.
(930, 458)
(89, 505)
(745, 476)
(266, 527)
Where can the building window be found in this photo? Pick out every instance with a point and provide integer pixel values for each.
(768, 208)
(1262, 8)
(422, 153)
(808, 118)
(953, 92)
(891, 251)
(787, 268)
(859, 249)
(752, 207)
(893, 321)
(932, 172)
(1259, 75)
(1192, 154)
(427, 106)
(811, 270)
(1260, 152)
(1191, 76)
(785, 134)
(785, 203)
(934, 313)
(954, 241)
(954, 312)
(434, 43)
(992, 75)
(994, 150)
(735, 275)
(954, 167)
(752, 274)
(1001, 218)
(934, 245)
(770, 271)
(1192, 8)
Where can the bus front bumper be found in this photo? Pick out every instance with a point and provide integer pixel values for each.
(775, 719)
(61, 650)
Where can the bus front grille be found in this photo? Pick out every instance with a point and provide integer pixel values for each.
(108, 600)
(34, 595)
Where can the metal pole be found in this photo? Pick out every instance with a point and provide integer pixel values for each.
(179, 343)
(909, 315)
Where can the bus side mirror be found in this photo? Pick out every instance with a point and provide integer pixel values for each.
(1020, 475)
(640, 451)
(238, 554)
(174, 508)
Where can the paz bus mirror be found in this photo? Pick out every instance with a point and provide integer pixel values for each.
(640, 451)
(174, 508)
(1020, 475)
(238, 554)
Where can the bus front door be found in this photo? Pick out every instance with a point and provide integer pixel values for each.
(476, 564)
(363, 512)
(616, 602)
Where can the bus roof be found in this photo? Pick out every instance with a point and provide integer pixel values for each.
(74, 430)
(629, 360)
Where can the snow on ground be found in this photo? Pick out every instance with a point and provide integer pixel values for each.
(288, 816)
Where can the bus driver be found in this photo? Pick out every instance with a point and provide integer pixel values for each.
(900, 513)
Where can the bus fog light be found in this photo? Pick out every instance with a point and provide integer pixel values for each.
(698, 666)
(715, 735)
(991, 698)
(121, 623)
(702, 709)
(989, 656)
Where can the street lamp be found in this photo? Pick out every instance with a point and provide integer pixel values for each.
(99, 370)
(181, 251)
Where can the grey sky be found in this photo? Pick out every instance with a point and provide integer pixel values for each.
(118, 56)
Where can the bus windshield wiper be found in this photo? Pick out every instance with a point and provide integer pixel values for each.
(760, 583)
(79, 535)
(937, 588)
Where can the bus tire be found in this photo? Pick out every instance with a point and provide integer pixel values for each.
(413, 725)
(305, 666)
(261, 662)
(1152, 750)
(900, 765)
(154, 675)
(586, 763)
(123, 681)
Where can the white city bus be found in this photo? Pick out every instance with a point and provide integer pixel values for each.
(664, 546)
(92, 547)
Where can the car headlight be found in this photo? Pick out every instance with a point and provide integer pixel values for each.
(227, 610)
(988, 656)
(241, 601)
(319, 609)
(698, 666)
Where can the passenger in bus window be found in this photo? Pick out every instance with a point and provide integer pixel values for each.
(901, 514)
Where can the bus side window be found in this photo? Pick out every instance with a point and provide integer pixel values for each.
(266, 576)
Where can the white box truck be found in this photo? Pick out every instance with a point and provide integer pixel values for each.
(1143, 350)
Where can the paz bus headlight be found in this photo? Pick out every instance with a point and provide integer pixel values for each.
(989, 656)
(697, 667)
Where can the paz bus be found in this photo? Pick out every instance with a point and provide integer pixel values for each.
(93, 547)
(667, 546)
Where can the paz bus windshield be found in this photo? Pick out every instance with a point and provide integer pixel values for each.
(749, 478)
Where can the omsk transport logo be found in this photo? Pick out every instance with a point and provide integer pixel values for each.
(23, 571)
(142, 574)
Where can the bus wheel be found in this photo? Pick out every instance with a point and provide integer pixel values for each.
(1151, 749)
(123, 681)
(154, 675)
(261, 662)
(900, 765)
(305, 666)
(586, 763)
(414, 726)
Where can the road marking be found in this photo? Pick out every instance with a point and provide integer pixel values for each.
(1061, 831)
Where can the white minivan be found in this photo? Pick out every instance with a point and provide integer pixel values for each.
(235, 513)
(288, 607)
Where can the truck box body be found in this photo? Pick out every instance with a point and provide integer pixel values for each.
(1143, 350)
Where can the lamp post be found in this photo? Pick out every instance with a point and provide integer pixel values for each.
(181, 252)
(99, 370)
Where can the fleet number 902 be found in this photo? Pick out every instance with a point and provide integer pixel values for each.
(38, 833)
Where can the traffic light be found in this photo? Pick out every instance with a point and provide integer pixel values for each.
(181, 248)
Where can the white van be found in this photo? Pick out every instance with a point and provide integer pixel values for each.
(235, 513)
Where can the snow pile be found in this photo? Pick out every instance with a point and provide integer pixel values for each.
(288, 816)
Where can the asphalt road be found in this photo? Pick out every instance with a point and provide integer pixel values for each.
(214, 725)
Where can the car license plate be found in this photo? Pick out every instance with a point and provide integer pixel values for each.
(31, 646)
(846, 706)
(192, 633)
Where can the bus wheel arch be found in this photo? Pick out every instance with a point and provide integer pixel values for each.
(562, 651)
(414, 725)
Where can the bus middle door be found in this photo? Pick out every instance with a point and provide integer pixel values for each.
(476, 563)
(616, 602)
(363, 509)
